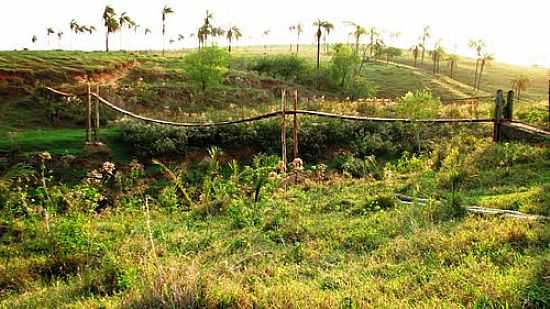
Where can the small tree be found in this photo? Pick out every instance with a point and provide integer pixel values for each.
(392, 52)
(520, 84)
(342, 64)
(419, 105)
(207, 66)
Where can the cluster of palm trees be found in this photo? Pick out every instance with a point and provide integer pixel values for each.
(208, 32)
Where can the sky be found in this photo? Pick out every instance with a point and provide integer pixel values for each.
(515, 31)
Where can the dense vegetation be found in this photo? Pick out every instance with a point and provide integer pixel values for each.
(208, 217)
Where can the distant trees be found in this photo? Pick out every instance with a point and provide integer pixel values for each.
(207, 66)
(299, 28)
(165, 12)
(426, 34)
(392, 52)
(519, 84)
(437, 54)
(111, 24)
(478, 46)
(233, 33)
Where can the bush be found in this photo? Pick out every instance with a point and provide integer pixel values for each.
(289, 68)
(207, 66)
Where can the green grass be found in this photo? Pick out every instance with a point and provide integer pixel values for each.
(338, 242)
(58, 141)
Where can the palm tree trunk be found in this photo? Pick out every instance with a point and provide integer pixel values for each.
(480, 74)
(107, 42)
(475, 76)
(163, 37)
(318, 62)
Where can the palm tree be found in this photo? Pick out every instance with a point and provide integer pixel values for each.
(59, 37)
(328, 27)
(123, 20)
(75, 27)
(233, 33)
(520, 83)
(374, 34)
(49, 32)
(415, 50)
(319, 24)
(478, 46)
(437, 53)
(34, 39)
(426, 34)
(485, 60)
(111, 24)
(266, 33)
(165, 12)
(358, 32)
(291, 29)
(299, 30)
(215, 33)
(453, 59)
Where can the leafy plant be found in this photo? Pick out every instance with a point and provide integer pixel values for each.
(206, 67)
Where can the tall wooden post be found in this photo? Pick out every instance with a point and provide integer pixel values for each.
(89, 115)
(499, 105)
(549, 99)
(295, 127)
(96, 129)
(509, 108)
(283, 129)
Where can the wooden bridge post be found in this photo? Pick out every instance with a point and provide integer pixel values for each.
(89, 115)
(96, 129)
(499, 105)
(295, 128)
(283, 129)
(509, 108)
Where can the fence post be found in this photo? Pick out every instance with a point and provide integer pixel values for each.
(549, 100)
(97, 114)
(499, 104)
(509, 109)
(89, 115)
(283, 129)
(295, 128)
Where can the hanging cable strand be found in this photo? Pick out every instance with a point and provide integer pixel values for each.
(268, 115)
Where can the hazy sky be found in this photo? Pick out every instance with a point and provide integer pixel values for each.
(516, 31)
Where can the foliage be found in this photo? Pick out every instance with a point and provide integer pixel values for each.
(286, 67)
(342, 64)
(207, 66)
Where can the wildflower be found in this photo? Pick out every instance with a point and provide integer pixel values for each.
(136, 167)
(45, 156)
(298, 164)
(108, 167)
(94, 177)
(272, 175)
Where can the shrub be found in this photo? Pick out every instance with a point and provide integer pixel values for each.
(289, 68)
(207, 66)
